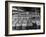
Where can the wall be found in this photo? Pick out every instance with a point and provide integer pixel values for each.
(2, 19)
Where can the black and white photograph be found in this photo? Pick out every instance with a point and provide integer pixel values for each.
(24, 18)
